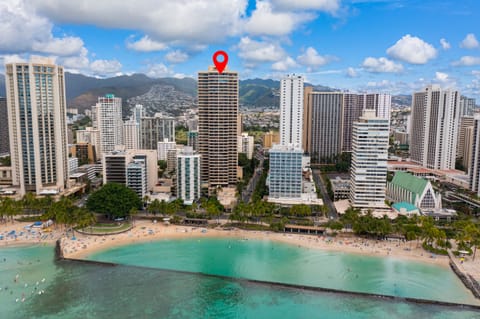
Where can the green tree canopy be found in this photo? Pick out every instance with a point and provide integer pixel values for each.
(114, 200)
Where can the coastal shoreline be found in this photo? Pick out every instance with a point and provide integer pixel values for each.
(82, 246)
(144, 231)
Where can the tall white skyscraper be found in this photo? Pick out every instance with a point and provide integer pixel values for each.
(291, 110)
(368, 173)
(37, 126)
(434, 127)
(474, 170)
(109, 121)
(380, 102)
(188, 175)
(137, 113)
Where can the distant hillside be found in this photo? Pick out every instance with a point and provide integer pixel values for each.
(258, 92)
(168, 95)
(83, 91)
(402, 100)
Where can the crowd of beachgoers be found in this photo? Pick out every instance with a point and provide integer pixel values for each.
(20, 233)
(77, 245)
(81, 246)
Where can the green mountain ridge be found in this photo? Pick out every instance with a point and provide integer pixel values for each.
(83, 91)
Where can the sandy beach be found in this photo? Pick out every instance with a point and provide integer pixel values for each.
(145, 231)
(22, 233)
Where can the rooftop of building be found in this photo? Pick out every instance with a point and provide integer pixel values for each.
(339, 182)
(286, 148)
(404, 205)
(395, 162)
(408, 181)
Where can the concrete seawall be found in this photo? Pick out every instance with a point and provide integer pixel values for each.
(467, 279)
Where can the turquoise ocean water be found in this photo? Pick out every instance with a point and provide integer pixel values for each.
(73, 290)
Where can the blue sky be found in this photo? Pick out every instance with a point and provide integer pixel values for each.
(395, 46)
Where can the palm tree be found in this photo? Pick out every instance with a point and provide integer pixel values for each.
(194, 207)
(146, 200)
(133, 212)
(324, 210)
(154, 207)
(213, 211)
(9, 207)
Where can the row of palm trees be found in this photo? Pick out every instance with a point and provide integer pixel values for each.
(63, 211)
(210, 207)
(164, 208)
(465, 232)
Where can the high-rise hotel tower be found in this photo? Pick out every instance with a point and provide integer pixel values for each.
(435, 118)
(291, 110)
(37, 126)
(109, 117)
(217, 127)
(368, 173)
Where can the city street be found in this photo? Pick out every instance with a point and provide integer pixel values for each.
(332, 212)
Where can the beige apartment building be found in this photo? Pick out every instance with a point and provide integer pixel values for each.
(218, 127)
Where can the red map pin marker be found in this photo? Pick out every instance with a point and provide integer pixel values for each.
(220, 65)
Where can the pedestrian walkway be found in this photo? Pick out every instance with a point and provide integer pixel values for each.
(468, 271)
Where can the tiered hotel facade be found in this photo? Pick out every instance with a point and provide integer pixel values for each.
(37, 126)
(368, 173)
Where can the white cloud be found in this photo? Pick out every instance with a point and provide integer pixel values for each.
(76, 64)
(473, 88)
(105, 67)
(470, 42)
(444, 80)
(190, 21)
(266, 21)
(467, 61)
(66, 46)
(381, 65)
(395, 87)
(412, 50)
(159, 70)
(259, 51)
(11, 58)
(176, 56)
(352, 73)
(145, 44)
(321, 5)
(285, 64)
(476, 73)
(445, 44)
(312, 59)
(23, 30)
(441, 77)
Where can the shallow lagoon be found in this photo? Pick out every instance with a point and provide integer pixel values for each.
(278, 262)
(77, 290)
